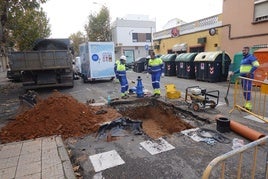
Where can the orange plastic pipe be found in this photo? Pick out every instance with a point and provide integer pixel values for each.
(245, 131)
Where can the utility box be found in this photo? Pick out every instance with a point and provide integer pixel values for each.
(185, 65)
(97, 60)
(169, 64)
(212, 66)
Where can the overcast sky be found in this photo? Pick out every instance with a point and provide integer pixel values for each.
(70, 16)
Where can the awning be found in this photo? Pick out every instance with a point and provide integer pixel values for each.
(179, 47)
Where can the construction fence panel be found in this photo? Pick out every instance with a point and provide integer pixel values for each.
(255, 91)
(233, 165)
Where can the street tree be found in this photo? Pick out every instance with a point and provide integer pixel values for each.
(29, 27)
(98, 27)
(77, 39)
(10, 12)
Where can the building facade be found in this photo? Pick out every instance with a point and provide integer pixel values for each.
(197, 36)
(240, 24)
(244, 25)
(133, 36)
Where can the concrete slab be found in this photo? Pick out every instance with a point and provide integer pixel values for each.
(106, 160)
(40, 158)
(156, 147)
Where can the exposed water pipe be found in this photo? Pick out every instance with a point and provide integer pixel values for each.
(245, 131)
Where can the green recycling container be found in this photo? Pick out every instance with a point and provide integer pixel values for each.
(169, 65)
(236, 65)
(185, 65)
(212, 66)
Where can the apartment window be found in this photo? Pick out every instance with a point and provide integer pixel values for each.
(141, 37)
(260, 10)
(148, 37)
(134, 37)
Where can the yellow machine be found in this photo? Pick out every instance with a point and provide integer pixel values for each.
(198, 98)
(171, 92)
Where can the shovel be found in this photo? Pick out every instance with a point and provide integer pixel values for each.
(225, 98)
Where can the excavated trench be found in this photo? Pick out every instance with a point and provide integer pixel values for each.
(159, 118)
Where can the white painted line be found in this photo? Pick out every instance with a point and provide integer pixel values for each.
(156, 147)
(253, 118)
(105, 160)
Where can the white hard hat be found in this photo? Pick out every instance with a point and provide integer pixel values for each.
(123, 57)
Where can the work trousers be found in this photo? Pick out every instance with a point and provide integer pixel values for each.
(246, 85)
(156, 79)
(124, 83)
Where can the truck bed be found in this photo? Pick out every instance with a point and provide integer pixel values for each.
(40, 60)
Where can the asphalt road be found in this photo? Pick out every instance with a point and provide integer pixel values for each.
(188, 159)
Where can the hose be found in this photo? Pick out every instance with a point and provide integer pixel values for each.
(209, 133)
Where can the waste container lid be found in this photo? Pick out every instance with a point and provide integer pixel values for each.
(186, 57)
(169, 57)
(140, 60)
(208, 56)
(163, 57)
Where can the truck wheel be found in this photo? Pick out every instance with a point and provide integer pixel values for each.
(85, 79)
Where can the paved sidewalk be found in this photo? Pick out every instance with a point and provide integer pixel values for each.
(39, 158)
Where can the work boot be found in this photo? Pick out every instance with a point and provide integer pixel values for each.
(248, 106)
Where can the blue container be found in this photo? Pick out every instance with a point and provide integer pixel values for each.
(139, 88)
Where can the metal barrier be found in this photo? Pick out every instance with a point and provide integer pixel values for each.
(223, 158)
(256, 91)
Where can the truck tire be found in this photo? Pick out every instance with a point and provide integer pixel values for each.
(85, 80)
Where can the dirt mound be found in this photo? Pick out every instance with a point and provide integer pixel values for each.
(158, 120)
(59, 114)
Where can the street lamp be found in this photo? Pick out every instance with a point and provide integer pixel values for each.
(152, 38)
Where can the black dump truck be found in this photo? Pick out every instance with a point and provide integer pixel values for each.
(49, 64)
